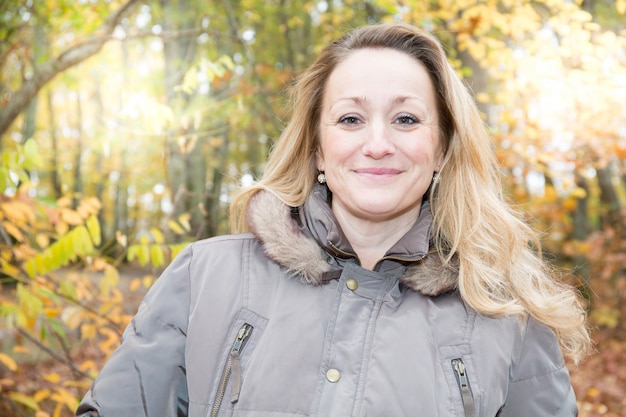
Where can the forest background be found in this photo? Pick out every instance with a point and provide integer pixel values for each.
(125, 126)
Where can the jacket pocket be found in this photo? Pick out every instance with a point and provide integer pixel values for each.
(237, 351)
(465, 389)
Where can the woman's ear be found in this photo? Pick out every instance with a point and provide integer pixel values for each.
(439, 161)
(319, 161)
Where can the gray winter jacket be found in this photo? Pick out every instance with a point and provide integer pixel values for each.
(283, 322)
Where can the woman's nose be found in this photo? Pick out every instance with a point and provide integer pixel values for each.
(378, 142)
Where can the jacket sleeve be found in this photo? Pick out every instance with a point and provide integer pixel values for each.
(146, 375)
(540, 383)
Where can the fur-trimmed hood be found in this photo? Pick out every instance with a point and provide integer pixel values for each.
(302, 239)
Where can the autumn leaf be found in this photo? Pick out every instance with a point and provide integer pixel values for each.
(8, 361)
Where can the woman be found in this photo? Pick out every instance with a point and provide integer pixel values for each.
(383, 275)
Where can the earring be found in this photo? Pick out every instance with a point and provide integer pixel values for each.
(436, 178)
(321, 178)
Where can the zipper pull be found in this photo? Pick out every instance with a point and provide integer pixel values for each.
(242, 336)
(466, 391)
(459, 367)
(235, 370)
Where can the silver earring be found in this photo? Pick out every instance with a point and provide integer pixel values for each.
(436, 178)
(321, 178)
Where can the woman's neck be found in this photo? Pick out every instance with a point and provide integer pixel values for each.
(371, 240)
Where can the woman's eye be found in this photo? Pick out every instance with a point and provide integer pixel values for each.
(349, 119)
(407, 119)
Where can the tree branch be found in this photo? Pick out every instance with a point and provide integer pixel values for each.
(73, 56)
(57, 357)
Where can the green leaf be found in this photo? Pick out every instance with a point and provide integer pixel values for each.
(68, 289)
(133, 251)
(93, 225)
(58, 329)
(156, 254)
(144, 255)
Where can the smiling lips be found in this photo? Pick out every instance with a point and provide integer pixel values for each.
(378, 171)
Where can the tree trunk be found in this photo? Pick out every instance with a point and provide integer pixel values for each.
(609, 198)
(78, 156)
(212, 200)
(55, 169)
(99, 159)
(580, 218)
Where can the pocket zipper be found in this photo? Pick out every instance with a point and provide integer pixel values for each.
(232, 369)
(464, 386)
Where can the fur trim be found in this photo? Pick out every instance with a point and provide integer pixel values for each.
(431, 276)
(283, 241)
(287, 245)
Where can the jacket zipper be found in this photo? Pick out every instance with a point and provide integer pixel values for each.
(464, 386)
(232, 370)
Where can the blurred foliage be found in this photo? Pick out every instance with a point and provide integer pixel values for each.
(134, 150)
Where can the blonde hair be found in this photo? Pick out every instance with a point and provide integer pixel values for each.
(499, 271)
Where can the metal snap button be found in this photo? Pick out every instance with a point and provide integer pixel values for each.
(333, 375)
(352, 284)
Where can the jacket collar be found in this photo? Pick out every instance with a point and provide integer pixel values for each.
(301, 239)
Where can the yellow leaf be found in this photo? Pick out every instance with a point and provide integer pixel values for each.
(593, 392)
(143, 255)
(88, 365)
(65, 397)
(13, 230)
(134, 284)
(82, 243)
(64, 202)
(78, 384)
(8, 361)
(87, 331)
(61, 228)
(41, 413)
(184, 220)
(111, 342)
(147, 281)
(91, 204)
(71, 316)
(8, 269)
(43, 240)
(54, 378)
(121, 239)
(71, 217)
(93, 226)
(156, 254)
(110, 280)
(579, 193)
(18, 211)
(31, 268)
(26, 400)
(52, 312)
(157, 235)
(175, 227)
(132, 253)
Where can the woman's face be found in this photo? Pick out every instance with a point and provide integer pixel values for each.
(379, 142)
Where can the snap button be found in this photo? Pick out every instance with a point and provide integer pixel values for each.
(352, 284)
(333, 375)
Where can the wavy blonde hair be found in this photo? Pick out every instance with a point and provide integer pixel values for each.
(500, 266)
